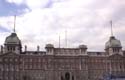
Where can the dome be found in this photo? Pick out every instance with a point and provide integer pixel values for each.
(49, 46)
(113, 42)
(12, 39)
(83, 46)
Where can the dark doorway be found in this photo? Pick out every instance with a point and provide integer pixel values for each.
(67, 76)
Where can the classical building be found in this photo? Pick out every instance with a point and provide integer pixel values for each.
(60, 63)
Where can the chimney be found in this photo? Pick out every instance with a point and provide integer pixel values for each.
(38, 48)
(50, 49)
(83, 49)
(25, 48)
(1, 49)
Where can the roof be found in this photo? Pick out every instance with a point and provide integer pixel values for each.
(113, 42)
(49, 46)
(12, 39)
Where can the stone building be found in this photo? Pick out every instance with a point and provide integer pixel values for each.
(60, 63)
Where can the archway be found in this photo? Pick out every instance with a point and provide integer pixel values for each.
(67, 76)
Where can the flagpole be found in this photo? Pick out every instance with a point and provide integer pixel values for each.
(14, 24)
(59, 40)
(66, 38)
(111, 28)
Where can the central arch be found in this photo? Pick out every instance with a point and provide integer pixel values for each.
(67, 76)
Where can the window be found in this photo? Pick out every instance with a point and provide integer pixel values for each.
(8, 48)
(120, 66)
(72, 77)
(62, 78)
(11, 48)
(115, 50)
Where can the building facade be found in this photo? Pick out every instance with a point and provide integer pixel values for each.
(60, 63)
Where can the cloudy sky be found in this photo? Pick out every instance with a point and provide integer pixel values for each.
(39, 22)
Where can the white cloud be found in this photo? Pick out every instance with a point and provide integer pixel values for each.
(33, 4)
(86, 22)
(15, 1)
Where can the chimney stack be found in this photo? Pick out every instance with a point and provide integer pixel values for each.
(25, 48)
(1, 49)
(38, 48)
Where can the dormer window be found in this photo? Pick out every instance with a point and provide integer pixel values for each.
(11, 48)
(49, 50)
(115, 49)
